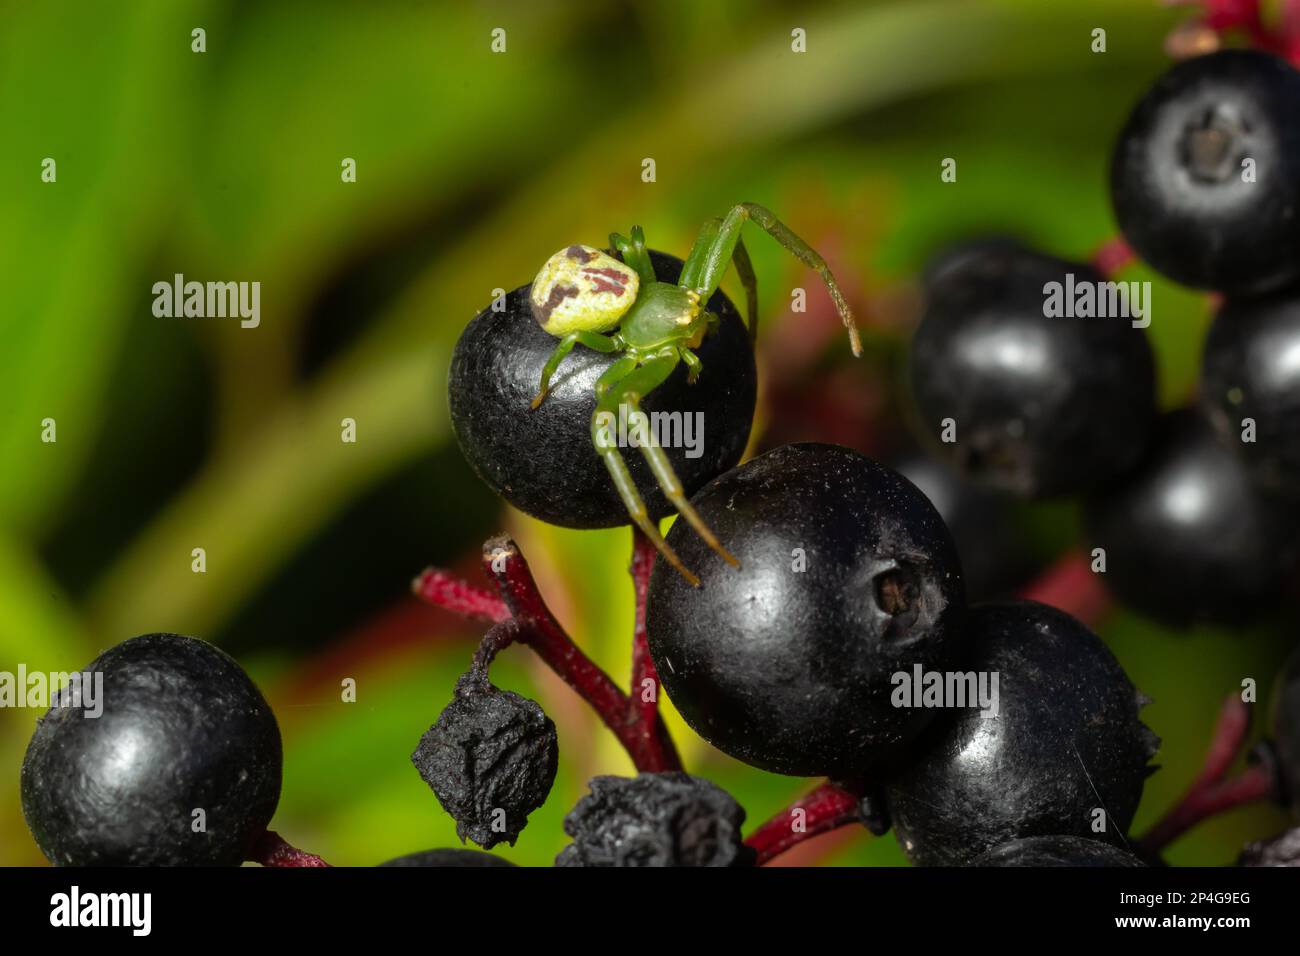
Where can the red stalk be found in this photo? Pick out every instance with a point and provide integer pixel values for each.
(825, 808)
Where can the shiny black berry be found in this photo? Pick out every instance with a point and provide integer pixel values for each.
(1187, 536)
(452, 857)
(490, 760)
(655, 819)
(1020, 383)
(1286, 732)
(1205, 178)
(1250, 382)
(1065, 754)
(181, 768)
(969, 257)
(542, 461)
(985, 526)
(1057, 851)
(847, 576)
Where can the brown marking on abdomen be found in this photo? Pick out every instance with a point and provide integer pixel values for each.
(559, 292)
(607, 280)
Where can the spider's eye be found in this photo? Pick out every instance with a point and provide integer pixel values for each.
(581, 289)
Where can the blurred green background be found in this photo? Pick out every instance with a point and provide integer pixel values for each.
(472, 167)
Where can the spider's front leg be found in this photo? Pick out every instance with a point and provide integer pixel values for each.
(714, 260)
(634, 253)
(693, 365)
(697, 260)
(593, 340)
(745, 269)
(629, 391)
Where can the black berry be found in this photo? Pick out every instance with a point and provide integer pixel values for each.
(1286, 732)
(655, 819)
(1251, 370)
(969, 257)
(848, 576)
(1017, 396)
(1057, 851)
(182, 768)
(490, 760)
(985, 526)
(1186, 534)
(452, 857)
(542, 461)
(1205, 178)
(1066, 742)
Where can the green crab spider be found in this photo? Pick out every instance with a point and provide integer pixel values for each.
(584, 296)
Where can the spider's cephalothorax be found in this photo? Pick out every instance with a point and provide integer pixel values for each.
(585, 296)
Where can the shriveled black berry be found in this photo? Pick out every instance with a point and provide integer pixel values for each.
(1205, 178)
(847, 576)
(1286, 732)
(543, 461)
(1015, 394)
(1251, 371)
(1187, 535)
(655, 819)
(1281, 850)
(490, 760)
(1057, 851)
(1066, 742)
(985, 526)
(453, 857)
(182, 768)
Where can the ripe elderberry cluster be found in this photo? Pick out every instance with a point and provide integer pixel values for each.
(840, 638)
(830, 631)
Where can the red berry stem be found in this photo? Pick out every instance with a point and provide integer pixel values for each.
(1213, 791)
(821, 810)
(1276, 31)
(649, 746)
(272, 849)
(1071, 586)
(1112, 256)
(445, 590)
(520, 615)
(499, 636)
(645, 700)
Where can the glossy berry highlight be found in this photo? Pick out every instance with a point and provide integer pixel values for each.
(183, 730)
(847, 577)
(1017, 391)
(1205, 177)
(1250, 383)
(1188, 536)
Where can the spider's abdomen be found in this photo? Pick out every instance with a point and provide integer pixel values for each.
(662, 313)
(581, 289)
